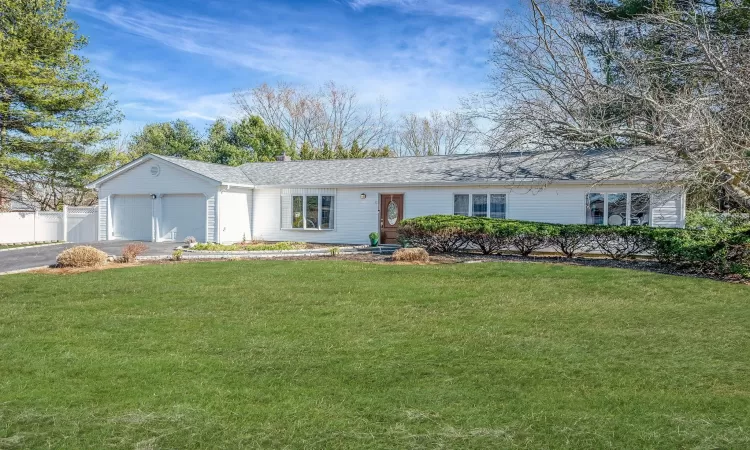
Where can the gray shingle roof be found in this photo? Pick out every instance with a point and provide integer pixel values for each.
(218, 172)
(639, 164)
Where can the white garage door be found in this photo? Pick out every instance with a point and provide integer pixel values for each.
(182, 216)
(131, 217)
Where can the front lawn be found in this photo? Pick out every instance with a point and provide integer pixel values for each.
(336, 354)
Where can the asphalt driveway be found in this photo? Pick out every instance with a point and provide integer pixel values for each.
(28, 258)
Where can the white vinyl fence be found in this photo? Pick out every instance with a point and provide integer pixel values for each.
(73, 224)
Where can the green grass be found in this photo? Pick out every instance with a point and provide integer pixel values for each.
(336, 354)
(251, 247)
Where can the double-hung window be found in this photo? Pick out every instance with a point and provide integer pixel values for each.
(308, 210)
(615, 208)
(480, 205)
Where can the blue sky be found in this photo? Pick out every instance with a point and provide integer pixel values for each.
(169, 59)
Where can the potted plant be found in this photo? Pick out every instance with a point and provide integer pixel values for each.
(374, 239)
(191, 241)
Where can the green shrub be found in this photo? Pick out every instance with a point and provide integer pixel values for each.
(716, 245)
(177, 255)
(715, 222)
(713, 245)
(528, 237)
(436, 233)
(620, 242)
(481, 233)
(571, 240)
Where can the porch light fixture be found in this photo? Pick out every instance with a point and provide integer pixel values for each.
(363, 196)
(153, 196)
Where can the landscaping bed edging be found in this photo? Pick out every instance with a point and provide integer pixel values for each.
(208, 254)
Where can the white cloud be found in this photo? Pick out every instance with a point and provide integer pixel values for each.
(415, 73)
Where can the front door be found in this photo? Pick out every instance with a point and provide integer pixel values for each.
(391, 214)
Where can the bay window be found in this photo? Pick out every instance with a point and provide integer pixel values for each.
(308, 209)
(480, 205)
(618, 208)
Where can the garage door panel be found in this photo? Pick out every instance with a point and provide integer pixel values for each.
(131, 217)
(183, 216)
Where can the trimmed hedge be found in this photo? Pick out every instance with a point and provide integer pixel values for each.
(718, 250)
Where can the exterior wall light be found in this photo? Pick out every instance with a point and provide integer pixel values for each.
(363, 196)
(153, 196)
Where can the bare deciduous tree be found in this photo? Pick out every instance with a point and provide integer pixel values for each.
(332, 115)
(673, 83)
(439, 134)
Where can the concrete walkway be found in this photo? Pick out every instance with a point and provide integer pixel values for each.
(27, 258)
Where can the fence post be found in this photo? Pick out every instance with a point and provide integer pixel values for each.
(36, 219)
(65, 223)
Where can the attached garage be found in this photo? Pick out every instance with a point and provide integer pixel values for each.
(132, 217)
(161, 198)
(183, 215)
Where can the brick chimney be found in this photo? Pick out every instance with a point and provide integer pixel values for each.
(283, 157)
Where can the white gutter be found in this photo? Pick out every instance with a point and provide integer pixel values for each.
(230, 185)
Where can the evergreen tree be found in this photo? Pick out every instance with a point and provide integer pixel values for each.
(53, 110)
(356, 151)
(220, 147)
(341, 152)
(307, 152)
(327, 153)
(264, 142)
(177, 138)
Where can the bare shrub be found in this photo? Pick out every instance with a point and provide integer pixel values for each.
(131, 251)
(81, 256)
(411, 255)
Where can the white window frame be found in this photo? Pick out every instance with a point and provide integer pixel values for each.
(304, 211)
(489, 195)
(628, 210)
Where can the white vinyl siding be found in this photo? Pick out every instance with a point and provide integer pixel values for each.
(356, 217)
(668, 209)
(235, 208)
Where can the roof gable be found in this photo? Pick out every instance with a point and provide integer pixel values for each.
(215, 173)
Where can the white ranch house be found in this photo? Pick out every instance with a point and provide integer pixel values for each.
(158, 198)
